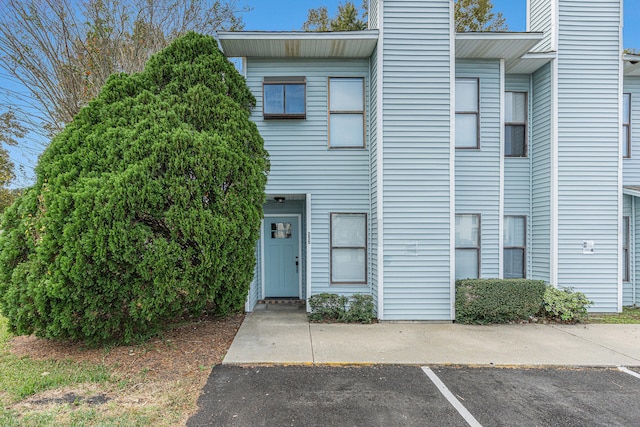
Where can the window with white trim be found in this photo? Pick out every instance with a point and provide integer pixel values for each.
(626, 125)
(467, 246)
(514, 264)
(626, 247)
(284, 97)
(467, 113)
(346, 112)
(348, 249)
(515, 124)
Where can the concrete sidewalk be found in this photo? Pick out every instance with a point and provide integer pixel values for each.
(284, 336)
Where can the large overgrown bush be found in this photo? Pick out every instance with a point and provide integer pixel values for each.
(147, 206)
(497, 300)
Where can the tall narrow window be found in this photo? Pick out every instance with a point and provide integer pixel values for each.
(349, 248)
(284, 98)
(515, 124)
(626, 246)
(626, 125)
(346, 112)
(467, 113)
(515, 247)
(467, 246)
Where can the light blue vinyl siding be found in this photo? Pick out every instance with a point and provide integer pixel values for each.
(478, 171)
(417, 157)
(373, 15)
(540, 20)
(631, 166)
(373, 153)
(301, 162)
(635, 245)
(517, 171)
(540, 154)
(255, 285)
(588, 148)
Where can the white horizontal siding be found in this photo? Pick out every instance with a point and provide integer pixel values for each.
(373, 160)
(417, 75)
(631, 165)
(478, 171)
(588, 148)
(301, 162)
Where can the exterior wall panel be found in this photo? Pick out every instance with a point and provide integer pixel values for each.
(417, 159)
(478, 171)
(588, 148)
(301, 162)
(631, 165)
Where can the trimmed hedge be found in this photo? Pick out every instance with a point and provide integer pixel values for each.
(484, 301)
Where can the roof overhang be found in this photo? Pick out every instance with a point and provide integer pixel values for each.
(631, 190)
(513, 47)
(631, 65)
(268, 44)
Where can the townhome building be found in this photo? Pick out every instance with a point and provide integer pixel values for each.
(407, 156)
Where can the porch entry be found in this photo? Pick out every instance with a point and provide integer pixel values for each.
(282, 263)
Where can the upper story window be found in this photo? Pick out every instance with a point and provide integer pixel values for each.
(626, 125)
(284, 98)
(346, 112)
(467, 113)
(467, 246)
(515, 124)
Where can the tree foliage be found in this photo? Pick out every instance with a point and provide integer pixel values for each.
(477, 15)
(349, 18)
(10, 129)
(147, 206)
(57, 54)
(470, 15)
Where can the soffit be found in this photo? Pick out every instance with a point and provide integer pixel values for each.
(268, 44)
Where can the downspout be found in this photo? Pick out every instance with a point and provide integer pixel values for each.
(380, 157)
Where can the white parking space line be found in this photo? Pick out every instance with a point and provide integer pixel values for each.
(629, 371)
(470, 419)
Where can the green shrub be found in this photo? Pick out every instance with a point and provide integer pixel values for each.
(497, 300)
(146, 207)
(565, 304)
(361, 309)
(328, 307)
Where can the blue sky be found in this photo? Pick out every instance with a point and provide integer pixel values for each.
(287, 15)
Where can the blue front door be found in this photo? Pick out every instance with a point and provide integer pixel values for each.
(282, 266)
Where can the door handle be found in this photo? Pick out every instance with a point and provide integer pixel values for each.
(297, 262)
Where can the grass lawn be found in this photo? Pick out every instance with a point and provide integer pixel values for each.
(629, 315)
(44, 383)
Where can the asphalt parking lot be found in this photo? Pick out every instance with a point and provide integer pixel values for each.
(387, 395)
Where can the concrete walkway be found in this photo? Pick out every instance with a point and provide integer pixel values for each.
(284, 336)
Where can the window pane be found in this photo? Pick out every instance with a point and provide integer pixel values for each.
(466, 130)
(347, 130)
(466, 264)
(467, 227)
(348, 265)
(514, 231)
(346, 95)
(626, 108)
(625, 141)
(515, 107)
(514, 144)
(467, 95)
(273, 99)
(348, 230)
(295, 99)
(625, 232)
(513, 263)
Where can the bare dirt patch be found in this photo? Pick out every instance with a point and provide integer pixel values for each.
(168, 371)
